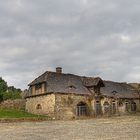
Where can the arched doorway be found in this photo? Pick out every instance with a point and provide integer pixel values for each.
(98, 108)
(82, 109)
(133, 107)
(106, 108)
(113, 107)
(127, 106)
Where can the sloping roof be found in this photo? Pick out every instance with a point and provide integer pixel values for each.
(65, 83)
(70, 83)
(40, 79)
(135, 85)
(119, 90)
(92, 81)
(62, 83)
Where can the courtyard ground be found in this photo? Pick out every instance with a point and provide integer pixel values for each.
(117, 128)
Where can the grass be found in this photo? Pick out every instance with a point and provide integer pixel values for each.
(18, 114)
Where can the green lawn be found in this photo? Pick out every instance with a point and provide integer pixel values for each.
(12, 113)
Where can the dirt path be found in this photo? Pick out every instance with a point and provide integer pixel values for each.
(120, 128)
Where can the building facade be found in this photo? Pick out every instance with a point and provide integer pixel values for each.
(69, 96)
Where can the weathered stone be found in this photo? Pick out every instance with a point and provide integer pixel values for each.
(46, 102)
(14, 104)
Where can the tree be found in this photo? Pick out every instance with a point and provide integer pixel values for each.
(3, 88)
(12, 93)
(8, 92)
(3, 85)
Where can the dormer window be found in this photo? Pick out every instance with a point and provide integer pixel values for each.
(72, 87)
(114, 91)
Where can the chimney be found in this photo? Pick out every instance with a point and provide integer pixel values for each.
(58, 70)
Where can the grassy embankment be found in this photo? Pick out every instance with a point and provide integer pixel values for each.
(12, 114)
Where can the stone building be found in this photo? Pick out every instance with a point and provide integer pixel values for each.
(69, 96)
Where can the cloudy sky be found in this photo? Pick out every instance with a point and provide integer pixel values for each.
(85, 37)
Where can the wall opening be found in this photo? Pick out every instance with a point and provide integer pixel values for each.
(127, 106)
(98, 108)
(106, 108)
(113, 107)
(38, 107)
(133, 106)
(82, 109)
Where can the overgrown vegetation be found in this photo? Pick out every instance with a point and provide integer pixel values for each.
(12, 113)
(7, 92)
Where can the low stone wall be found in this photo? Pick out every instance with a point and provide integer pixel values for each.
(13, 104)
(43, 105)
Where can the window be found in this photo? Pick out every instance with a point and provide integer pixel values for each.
(81, 109)
(127, 106)
(114, 91)
(120, 103)
(38, 88)
(72, 87)
(38, 106)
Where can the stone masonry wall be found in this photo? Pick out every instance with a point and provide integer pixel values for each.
(14, 104)
(41, 105)
(65, 107)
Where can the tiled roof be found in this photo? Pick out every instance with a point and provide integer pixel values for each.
(119, 90)
(60, 82)
(70, 83)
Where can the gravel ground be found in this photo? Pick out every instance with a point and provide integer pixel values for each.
(119, 128)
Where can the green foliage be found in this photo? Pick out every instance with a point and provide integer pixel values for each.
(8, 92)
(11, 95)
(3, 85)
(3, 88)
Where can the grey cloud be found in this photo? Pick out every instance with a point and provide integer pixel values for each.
(86, 37)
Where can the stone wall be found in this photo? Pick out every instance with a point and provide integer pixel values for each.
(138, 104)
(14, 104)
(110, 106)
(66, 105)
(41, 105)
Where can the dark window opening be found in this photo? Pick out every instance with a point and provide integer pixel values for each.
(113, 108)
(133, 106)
(38, 86)
(127, 106)
(39, 106)
(72, 87)
(114, 91)
(82, 109)
(120, 103)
